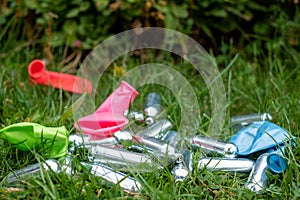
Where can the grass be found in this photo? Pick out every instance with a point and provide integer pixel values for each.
(267, 82)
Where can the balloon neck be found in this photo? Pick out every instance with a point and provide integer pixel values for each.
(36, 69)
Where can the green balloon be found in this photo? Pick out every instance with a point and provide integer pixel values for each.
(28, 136)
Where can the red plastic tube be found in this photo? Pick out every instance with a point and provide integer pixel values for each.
(39, 75)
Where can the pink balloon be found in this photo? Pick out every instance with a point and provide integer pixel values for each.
(109, 117)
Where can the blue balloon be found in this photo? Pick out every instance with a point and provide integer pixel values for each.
(275, 160)
(258, 136)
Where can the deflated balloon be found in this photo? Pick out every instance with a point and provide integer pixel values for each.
(259, 136)
(28, 136)
(109, 117)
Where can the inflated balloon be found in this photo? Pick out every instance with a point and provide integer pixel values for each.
(28, 136)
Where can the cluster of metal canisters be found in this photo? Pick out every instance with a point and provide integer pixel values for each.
(153, 148)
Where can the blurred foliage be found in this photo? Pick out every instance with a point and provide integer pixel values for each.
(80, 25)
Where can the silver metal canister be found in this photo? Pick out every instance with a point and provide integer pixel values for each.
(226, 164)
(80, 141)
(228, 150)
(32, 170)
(117, 154)
(160, 146)
(171, 137)
(183, 168)
(152, 107)
(240, 121)
(136, 116)
(126, 182)
(161, 126)
(258, 179)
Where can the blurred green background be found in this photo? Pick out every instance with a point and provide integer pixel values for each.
(80, 25)
(255, 44)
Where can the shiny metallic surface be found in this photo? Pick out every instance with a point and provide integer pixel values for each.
(80, 141)
(152, 107)
(153, 111)
(250, 118)
(228, 150)
(119, 155)
(140, 148)
(180, 172)
(155, 129)
(76, 140)
(128, 167)
(188, 159)
(160, 146)
(258, 179)
(110, 141)
(181, 169)
(240, 121)
(152, 98)
(266, 116)
(153, 146)
(123, 135)
(51, 165)
(66, 165)
(226, 164)
(33, 170)
(149, 120)
(126, 182)
(171, 137)
(136, 116)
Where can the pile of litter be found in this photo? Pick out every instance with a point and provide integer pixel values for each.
(257, 146)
